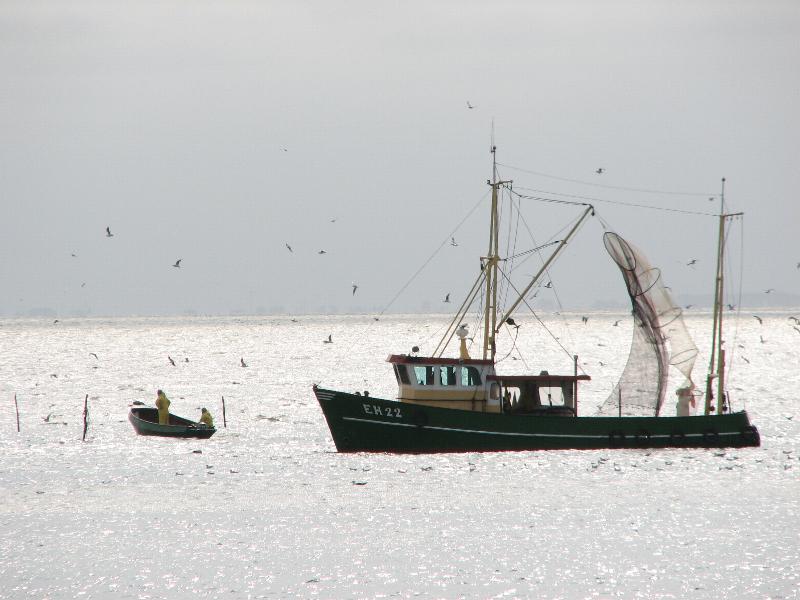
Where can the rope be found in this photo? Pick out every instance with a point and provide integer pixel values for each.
(609, 187)
(431, 257)
(617, 202)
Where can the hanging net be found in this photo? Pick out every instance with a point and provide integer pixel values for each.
(660, 337)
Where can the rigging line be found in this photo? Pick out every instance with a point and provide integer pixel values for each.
(513, 347)
(511, 246)
(734, 345)
(524, 252)
(430, 258)
(606, 186)
(617, 202)
(538, 319)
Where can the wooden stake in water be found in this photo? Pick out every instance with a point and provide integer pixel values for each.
(16, 408)
(85, 416)
(224, 421)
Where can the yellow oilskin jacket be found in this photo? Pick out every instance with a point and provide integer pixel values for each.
(206, 419)
(162, 404)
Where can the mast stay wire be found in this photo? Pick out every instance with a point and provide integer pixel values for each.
(734, 344)
(536, 316)
(433, 255)
(606, 186)
(615, 202)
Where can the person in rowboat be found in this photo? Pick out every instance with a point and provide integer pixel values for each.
(206, 418)
(162, 404)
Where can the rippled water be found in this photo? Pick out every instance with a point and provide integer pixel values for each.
(266, 508)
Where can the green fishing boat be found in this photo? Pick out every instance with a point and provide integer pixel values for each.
(462, 404)
(145, 422)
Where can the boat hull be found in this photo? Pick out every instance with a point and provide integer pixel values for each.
(367, 424)
(145, 422)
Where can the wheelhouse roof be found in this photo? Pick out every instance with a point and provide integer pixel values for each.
(404, 359)
(537, 378)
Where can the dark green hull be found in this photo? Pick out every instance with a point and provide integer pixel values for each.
(145, 422)
(367, 424)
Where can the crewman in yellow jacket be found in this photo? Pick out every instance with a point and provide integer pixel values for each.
(206, 419)
(162, 404)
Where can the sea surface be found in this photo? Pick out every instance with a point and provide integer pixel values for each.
(268, 509)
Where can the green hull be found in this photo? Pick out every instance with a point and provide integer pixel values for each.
(145, 422)
(367, 424)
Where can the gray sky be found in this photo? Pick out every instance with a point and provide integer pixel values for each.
(218, 132)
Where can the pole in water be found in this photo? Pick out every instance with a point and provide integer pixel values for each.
(16, 408)
(85, 415)
(224, 420)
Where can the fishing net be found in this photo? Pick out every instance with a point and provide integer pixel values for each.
(660, 338)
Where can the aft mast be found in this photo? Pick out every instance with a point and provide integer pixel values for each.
(716, 367)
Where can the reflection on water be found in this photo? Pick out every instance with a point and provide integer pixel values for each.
(266, 508)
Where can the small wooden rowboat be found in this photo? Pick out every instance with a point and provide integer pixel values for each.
(145, 422)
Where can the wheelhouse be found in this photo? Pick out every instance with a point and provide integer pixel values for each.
(446, 382)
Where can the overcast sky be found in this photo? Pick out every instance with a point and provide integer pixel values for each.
(218, 132)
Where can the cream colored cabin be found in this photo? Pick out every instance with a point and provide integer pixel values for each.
(470, 384)
(445, 382)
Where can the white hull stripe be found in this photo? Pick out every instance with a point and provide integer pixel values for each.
(550, 435)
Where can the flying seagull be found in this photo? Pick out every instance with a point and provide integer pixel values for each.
(289, 248)
(691, 263)
(616, 323)
(73, 255)
(93, 354)
(108, 232)
(453, 241)
(322, 252)
(177, 264)
(355, 287)
(549, 284)
(757, 318)
(769, 291)
(600, 171)
(585, 320)
(447, 297)
(469, 106)
(241, 361)
(329, 340)
(172, 362)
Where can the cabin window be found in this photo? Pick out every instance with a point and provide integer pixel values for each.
(447, 375)
(470, 376)
(401, 374)
(424, 375)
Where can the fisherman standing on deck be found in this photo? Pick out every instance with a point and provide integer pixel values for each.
(162, 404)
(205, 418)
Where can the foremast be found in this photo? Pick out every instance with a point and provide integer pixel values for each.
(489, 265)
(716, 367)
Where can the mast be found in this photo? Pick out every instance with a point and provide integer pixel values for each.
(716, 367)
(490, 267)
